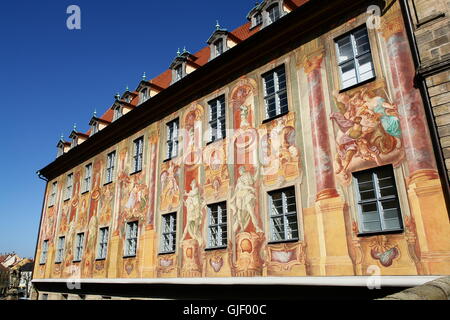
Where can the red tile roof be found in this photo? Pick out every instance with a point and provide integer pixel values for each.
(164, 79)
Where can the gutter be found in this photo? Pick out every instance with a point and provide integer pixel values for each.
(344, 281)
(420, 83)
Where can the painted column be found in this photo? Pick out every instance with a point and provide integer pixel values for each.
(416, 137)
(429, 212)
(333, 257)
(325, 184)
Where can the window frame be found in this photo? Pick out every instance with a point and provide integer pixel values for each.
(220, 227)
(377, 200)
(172, 139)
(279, 112)
(87, 180)
(220, 120)
(59, 258)
(172, 233)
(110, 167)
(284, 215)
(268, 12)
(53, 194)
(69, 186)
(130, 237)
(102, 244)
(79, 247)
(355, 57)
(44, 252)
(138, 155)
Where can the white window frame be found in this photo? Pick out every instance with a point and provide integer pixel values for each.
(216, 106)
(68, 193)
(355, 57)
(131, 239)
(79, 247)
(169, 234)
(117, 113)
(378, 201)
(172, 128)
(278, 91)
(102, 246)
(87, 180)
(53, 194)
(44, 252)
(60, 249)
(138, 154)
(219, 228)
(110, 167)
(288, 233)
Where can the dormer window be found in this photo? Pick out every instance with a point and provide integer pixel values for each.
(274, 13)
(117, 113)
(94, 128)
(257, 20)
(218, 47)
(144, 95)
(178, 72)
(60, 151)
(74, 142)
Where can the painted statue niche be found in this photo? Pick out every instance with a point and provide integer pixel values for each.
(170, 190)
(246, 225)
(369, 132)
(278, 151)
(192, 240)
(192, 135)
(216, 171)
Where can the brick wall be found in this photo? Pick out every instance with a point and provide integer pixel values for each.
(432, 30)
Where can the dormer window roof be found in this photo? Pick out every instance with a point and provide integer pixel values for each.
(267, 12)
(182, 65)
(62, 147)
(218, 42)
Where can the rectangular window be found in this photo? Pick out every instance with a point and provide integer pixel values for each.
(44, 252)
(172, 139)
(218, 46)
(217, 118)
(79, 246)
(144, 95)
(117, 113)
(283, 215)
(169, 229)
(178, 72)
(354, 58)
(138, 154)
(131, 238)
(87, 178)
(94, 128)
(110, 165)
(60, 250)
(378, 205)
(275, 92)
(274, 13)
(217, 225)
(52, 199)
(69, 187)
(102, 243)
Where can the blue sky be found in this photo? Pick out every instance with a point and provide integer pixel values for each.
(52, 77)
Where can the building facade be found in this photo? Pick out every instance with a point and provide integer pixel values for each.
(294, 147)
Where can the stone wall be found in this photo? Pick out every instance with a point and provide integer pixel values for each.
(432, 30)
(434, 290)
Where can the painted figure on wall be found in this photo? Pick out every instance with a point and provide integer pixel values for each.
(369, 131)
(170, 191)
(194, 206)
(279, 153)
(243, 201)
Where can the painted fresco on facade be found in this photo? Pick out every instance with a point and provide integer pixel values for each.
(279, 154)
(369, 132)
(381, 122)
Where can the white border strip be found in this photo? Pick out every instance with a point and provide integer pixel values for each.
(345, 281)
